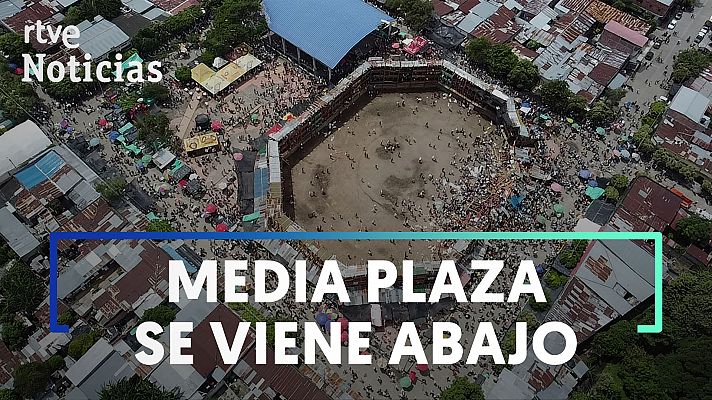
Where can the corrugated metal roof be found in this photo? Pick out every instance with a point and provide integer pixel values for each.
(138, 6)
(100, 37)
(325, 29)
(16, 235)
(470, 22)
(690, 103)
(8, 9)
(626, 33)
(19, 145)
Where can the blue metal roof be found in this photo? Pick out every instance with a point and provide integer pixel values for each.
(42, 170)
(325, 29)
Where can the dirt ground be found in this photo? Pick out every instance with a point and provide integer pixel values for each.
(355, 181)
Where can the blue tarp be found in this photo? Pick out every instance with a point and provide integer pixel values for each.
(113, 135)
(516, 201)
(41, 170)
(261, 182)
(325, 29)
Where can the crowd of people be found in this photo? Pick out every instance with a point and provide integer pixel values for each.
(472, 192)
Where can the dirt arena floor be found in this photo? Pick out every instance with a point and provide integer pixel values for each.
(372, 172)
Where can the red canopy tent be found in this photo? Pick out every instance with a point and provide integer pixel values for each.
(412, 376)
(274, 129)
(211, 208)
(221, 227)
(416, 45)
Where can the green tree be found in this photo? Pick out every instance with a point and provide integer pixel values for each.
(81, 344)
(31, 379)
(55, 363)
(530, 319)
(613, 97)
(6, 253)
(601, 113)
(620, 182)
(555, 279)
(150, 39)
(161, 314)
(687, 370)
(707, 187)
(128, 100)
(66, 89)
(235, 22)
(689, 64)
(160, 93)
(417, 13)
(477, 49)
(112, 189)
(642, 139)
(14, 334)
(159, 225)
(524, 75)
(612, 194)
(208, 56)
(688, 306)
(13, 46)
(639, 376)
(137, 388)
(18, 99)
(694, 229)
(21, 289)
(8, 394)
(577, 106)
(88, 9)
(556, 94)
(462, 389)
(67, 318)
(154, 128)
(500, 61)
(541, 306)
(608, 387)
(657, 109)
(613, 342)
(183, 75)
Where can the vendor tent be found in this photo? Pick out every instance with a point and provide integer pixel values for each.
(125, 128)
(200, 142)
(594, 192)
(162, 158)
(251, 217)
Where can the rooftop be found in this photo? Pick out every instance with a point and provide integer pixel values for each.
(16, 234)
(646, 206)
(690, 103)
(626, 33)
(324, 29)
(19, 145)
(100, 37)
